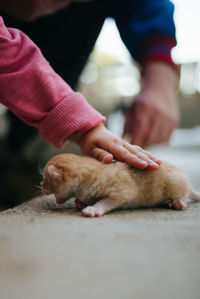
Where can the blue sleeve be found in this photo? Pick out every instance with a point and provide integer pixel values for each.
(146, 27)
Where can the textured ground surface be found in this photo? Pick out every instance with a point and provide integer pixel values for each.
(52, 252)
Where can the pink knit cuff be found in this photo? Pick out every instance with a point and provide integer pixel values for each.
(69, 115)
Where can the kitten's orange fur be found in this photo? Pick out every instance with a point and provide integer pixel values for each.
(100, 188)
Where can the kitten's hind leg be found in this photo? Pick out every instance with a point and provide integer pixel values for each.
(177, 204)
(100, 208)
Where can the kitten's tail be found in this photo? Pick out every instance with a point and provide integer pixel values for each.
(194, 196)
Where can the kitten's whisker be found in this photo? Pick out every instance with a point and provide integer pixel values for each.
(39, 187)
(40, 169)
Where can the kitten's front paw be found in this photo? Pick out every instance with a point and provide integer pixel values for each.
(92, 212)
(177, 205)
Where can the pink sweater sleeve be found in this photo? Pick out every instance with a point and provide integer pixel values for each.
(36, 94)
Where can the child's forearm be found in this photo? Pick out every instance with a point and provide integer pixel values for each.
(36, 94)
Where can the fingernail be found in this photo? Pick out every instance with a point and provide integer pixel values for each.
(153, 163)
(143, 162)
(106, 158)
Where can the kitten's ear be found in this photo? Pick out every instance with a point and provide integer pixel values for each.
(54, 172)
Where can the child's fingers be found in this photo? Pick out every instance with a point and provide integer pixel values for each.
(144, 157)
(126, 153)
(122, 154)
(158, 161)
(101, 155)
(142, 154)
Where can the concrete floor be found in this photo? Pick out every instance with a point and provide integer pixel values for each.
(52, 252)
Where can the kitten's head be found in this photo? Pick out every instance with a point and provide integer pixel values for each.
(54, 183)
(62, 175)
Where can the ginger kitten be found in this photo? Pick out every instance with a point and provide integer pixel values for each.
(100, 188)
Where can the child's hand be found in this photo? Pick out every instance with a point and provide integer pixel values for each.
(102, 145)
